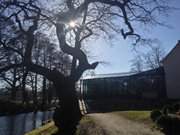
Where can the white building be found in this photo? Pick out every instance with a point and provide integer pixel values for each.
(171, 65)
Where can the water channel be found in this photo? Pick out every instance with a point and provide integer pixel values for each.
(22, 123)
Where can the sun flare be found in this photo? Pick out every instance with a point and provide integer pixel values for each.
(72, 24)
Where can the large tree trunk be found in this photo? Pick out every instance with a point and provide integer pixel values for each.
(68, 115)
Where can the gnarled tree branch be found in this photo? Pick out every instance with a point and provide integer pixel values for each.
(77, 53)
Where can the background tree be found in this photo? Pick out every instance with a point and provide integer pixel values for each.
(43, 53)
(150, 59)
(11, 78)
(137, 64)
(153, 59)
(74, 21)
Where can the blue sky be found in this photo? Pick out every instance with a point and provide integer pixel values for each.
(118, 56)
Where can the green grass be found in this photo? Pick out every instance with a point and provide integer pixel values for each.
(47, 129)
(139, 116)
(85, 128)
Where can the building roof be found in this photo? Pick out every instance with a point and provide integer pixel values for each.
(125, 74)
(110, 75)
(172, 51)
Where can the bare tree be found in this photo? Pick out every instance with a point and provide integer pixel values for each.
(149, 60)
(12, 79)
(154, 57)
(74, 21)
(137, 64)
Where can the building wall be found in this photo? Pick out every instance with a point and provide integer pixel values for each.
(145, 85)
(172, 73)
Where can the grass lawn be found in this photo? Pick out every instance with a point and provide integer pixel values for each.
(139, 116)
(47, 129)
(85, 128)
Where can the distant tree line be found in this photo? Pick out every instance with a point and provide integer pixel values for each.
(16, 79)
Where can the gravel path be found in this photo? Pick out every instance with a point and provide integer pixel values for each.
(117, 125)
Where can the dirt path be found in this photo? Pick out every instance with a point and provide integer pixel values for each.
(117, 125)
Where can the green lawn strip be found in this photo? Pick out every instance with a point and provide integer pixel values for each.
(139, 116)
(47, 129)
(86, 127)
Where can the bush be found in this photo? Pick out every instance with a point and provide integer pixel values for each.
(155, 115)
(169, 124)
(168, 120)
(176, 107)
(165, 109)
(173, 109)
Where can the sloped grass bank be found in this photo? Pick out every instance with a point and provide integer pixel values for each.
(86, 127)
(47, 129)
(138, 116)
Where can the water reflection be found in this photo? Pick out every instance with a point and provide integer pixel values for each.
(22, 123)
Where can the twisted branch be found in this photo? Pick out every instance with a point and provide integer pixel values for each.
(76, 52)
